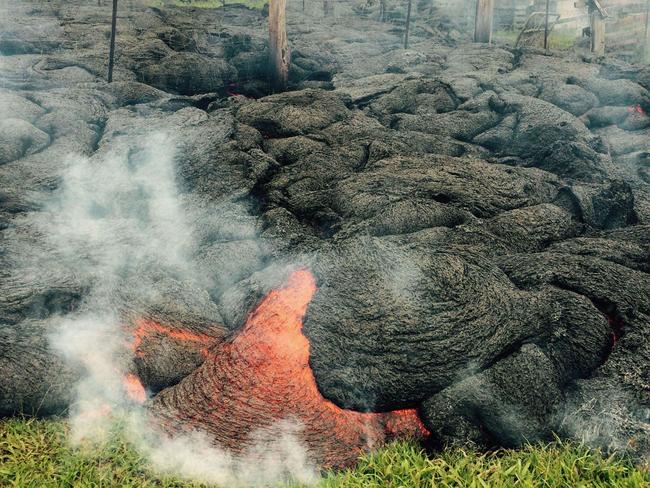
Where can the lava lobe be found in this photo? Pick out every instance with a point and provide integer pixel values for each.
(261, 377)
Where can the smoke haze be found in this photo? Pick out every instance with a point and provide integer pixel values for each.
(118, 219)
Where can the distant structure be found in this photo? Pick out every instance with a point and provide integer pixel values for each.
(512, 14)
(462, 11)
(615, 26)
(597, 17)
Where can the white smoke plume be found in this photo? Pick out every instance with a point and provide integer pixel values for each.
(612, 420)
(114, 217)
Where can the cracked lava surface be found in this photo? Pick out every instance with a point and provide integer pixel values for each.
(261, 376)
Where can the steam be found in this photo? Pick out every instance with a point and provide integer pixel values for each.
(193, 457)
(119, 219)
(608, 417)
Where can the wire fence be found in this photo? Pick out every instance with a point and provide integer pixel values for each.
(626, 26)
(627, 29)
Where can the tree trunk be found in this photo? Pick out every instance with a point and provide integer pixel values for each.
(111, 52)
(278, 45)
(483, 22)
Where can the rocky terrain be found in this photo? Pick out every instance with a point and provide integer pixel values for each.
(476, 219)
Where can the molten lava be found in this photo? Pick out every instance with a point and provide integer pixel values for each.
(231, 91)
(134, 389)
(262, 376)
(636, 109)
(147, 328)
(618, 327)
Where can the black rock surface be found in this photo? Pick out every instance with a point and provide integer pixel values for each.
(477, 220)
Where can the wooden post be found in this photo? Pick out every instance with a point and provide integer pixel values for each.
(382, 10)
(408, 25)
(548, 6)
(483, 21)
(278, 45)
(111, 51)
(328, 8)
(597, 32)
(646, 53)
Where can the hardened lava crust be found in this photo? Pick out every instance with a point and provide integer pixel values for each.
(456, 234)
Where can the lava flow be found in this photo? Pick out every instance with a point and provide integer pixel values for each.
(636, 109)
(148, 328)
(262, 376)
(134, 389)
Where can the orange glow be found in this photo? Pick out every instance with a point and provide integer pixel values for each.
(134, 389)
(262, 375)
(148, 328)
(636, 109)
(96, 414)
(618, 328)
(405, 423)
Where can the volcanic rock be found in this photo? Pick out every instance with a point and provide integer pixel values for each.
(469, 226)
(261, 377)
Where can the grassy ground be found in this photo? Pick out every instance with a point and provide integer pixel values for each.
(557, 41)
(35, 454)
(256, 4)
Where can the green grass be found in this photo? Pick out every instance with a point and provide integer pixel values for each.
(559, 40)
(208, 4)
(34, 453)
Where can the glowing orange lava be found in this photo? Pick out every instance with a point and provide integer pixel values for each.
(262, 376)
(134, 389)
(636, 109)
(147, 328)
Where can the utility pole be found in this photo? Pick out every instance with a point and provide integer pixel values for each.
(408, 25)
(278, 45)
(111, 51)
(483, 21)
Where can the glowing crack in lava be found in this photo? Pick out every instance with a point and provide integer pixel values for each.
(636, 109)
(148, 328)
(262, 376)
